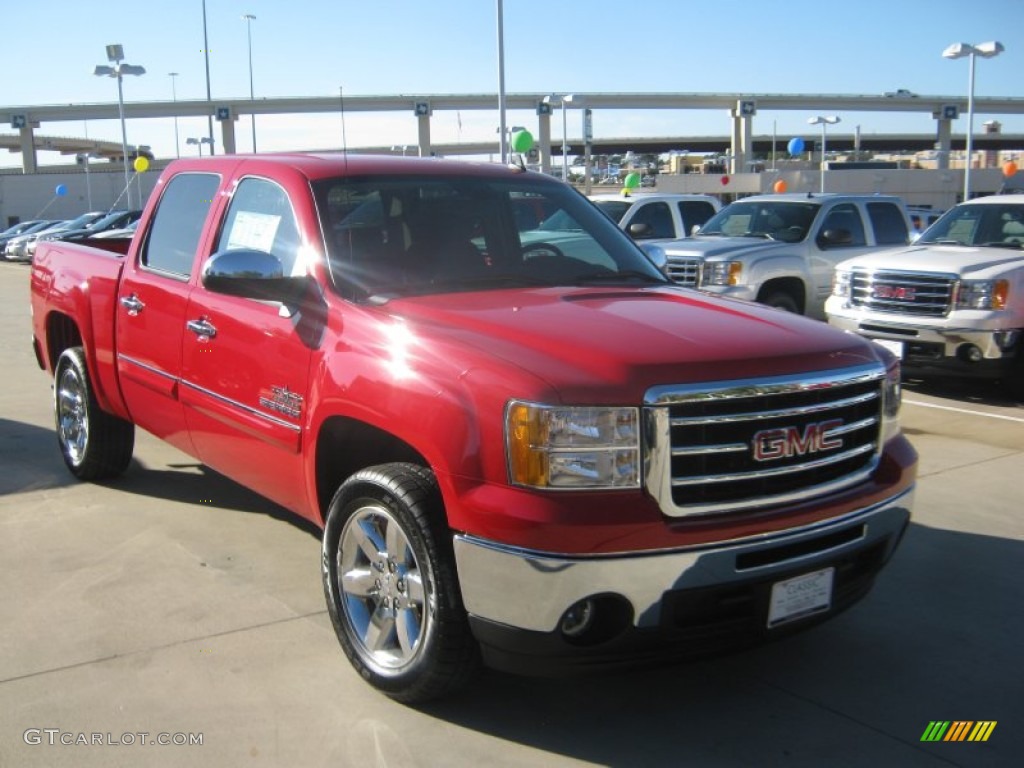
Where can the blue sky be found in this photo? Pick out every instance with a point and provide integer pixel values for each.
(313, 47)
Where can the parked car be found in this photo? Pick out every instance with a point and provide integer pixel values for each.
(113, 220)
(781, 250)
(14, 247)
(519, 455)
(950, 304)
(70, 225)
(658, 216)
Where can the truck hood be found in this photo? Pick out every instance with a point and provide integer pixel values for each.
(612, 344)
(966, 261)
(714, 247)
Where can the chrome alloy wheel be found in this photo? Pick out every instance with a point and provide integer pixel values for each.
(72, 414)
(386, 598)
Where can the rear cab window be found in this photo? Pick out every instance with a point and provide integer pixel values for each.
(889, 223)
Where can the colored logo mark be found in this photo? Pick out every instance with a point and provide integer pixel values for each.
(958, 730)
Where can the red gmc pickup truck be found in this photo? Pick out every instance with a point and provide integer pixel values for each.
(526, 447)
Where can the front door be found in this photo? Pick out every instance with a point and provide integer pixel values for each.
(245, 363)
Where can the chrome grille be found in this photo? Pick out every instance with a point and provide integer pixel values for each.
(735, 445)
(913, 293)
(683, 271)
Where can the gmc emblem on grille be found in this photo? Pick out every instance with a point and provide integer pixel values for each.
(786, 442)
(893, 292)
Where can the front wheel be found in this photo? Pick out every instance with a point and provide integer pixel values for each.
(781, 300)
(391, 587)
(95, 444)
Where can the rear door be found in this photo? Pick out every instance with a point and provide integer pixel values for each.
(152, 298)
(245, 363)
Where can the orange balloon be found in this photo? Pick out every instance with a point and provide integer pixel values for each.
(779, 186)
(1009, 168)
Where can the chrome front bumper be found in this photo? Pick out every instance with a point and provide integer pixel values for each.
(994, 344)
(531, 590)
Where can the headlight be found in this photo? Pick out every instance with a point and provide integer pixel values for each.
(572, 448)
(841, 282)
(722, 273)
(982, 294)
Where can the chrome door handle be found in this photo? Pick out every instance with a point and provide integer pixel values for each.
(132, 304)
(202, 328)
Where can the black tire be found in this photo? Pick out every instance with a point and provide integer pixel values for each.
(1013, 384)
(781, 300)
(391, 586)
(95, 444)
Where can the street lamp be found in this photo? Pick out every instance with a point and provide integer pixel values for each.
(958, 51)
(567, 99)
(115, 53)
(249, 19)
(199, 143)
(174, 96)
(823, 121)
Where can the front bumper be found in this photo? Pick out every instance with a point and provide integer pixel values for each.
(982, 352)
(691, 600)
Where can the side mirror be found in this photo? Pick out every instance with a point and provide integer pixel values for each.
(657, 256)
(833, 237)
(252, 274)
(639, 230)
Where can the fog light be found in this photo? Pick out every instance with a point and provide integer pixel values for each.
(969, 353)
(578, 619)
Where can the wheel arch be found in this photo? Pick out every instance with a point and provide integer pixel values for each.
(345, 445)
(791, 286)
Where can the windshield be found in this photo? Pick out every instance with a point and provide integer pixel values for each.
(1000, 225)
(401, 236)
(789, 221)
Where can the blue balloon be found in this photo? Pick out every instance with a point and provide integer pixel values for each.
(61, 190)
(795, 146)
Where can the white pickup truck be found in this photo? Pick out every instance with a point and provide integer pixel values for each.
(781, 250)
(656, 216)
(953, 302)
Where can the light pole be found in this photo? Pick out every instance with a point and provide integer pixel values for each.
(199, 143)
(567, 99)
(823, 121)
(115, 53)
(249, 19)
(174, 97)
(958, 51)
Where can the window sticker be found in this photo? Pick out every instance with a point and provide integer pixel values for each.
(253, 230)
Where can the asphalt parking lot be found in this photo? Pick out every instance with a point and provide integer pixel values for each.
(174, 606)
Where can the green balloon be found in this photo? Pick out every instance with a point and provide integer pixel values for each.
(632, 181)
(522, 142)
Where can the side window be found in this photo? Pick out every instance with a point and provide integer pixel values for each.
(657, 217)
(178, 223)
(695, 213)
(888, 223)
(845, 217)
(260, 217)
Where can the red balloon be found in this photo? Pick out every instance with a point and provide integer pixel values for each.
(725, 180)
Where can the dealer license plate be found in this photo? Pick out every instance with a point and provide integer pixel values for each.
(800, 597)
(896, 347)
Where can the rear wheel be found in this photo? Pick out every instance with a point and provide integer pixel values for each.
(95, 445)
(391, 587)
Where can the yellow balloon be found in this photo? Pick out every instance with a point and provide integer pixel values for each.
(141, 164)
